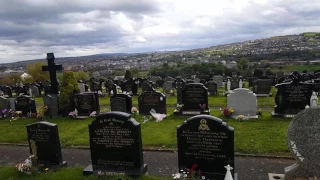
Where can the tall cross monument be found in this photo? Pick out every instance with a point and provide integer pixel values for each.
(52, 68)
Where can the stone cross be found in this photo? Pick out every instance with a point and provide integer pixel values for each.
(52, 68)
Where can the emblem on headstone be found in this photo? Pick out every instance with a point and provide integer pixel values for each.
(203, 125)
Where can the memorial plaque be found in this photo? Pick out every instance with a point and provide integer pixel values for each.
(25, 104)
(86, 103)
(292, 97)
(208, 142)
(152, 100)
(115, 145)
(43, 139)
(121, 102)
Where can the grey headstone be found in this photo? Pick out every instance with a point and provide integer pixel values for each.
(4, 103)
(218, 80)
(35, 91)
(167, 87)
(303, 140)
(243, 101)
(82, 87)
(196, 80)
(11, 103)
(52, 102)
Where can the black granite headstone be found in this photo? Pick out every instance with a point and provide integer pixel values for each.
(292, 97)
(25, 104)
(121, 102)
(212, 88)
(208, 142)
(86, 103)
(194, 100)
(43, 139)
(115, 145)
(262, 87)
(152, 100)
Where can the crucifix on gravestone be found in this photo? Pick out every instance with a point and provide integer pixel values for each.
(52, 68)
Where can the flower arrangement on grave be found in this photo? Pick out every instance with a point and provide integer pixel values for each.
(240, 117)
(30, 165)
(15, 115)
(33, 115)
(73, 114)
(203, 106)
(134, 110)
(179, 106)
(41, 112)
(192, 174)
(93, 114)
(227, 112)
(259, 112)
(6, 112)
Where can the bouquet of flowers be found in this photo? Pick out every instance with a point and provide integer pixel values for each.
(191, 174)
(227, 112)
(42, 111)
(28, 166)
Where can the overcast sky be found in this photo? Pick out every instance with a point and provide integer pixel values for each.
(31, 28)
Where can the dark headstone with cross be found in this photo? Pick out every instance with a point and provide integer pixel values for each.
(52, 68)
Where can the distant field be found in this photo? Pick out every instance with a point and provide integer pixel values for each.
(311, 34)
(290, 68)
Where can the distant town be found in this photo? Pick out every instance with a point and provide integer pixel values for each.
(292, 49)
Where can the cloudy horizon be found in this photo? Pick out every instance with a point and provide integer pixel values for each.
(31, 28)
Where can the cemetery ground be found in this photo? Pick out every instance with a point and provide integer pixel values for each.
(263, 136)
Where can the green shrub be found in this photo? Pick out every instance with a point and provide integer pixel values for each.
(68, 88)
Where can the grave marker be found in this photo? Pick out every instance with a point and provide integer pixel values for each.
(115, 145)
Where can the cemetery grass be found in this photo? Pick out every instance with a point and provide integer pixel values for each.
(214, 101)
(10, 173)
(263, 136)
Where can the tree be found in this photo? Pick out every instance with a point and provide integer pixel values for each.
(243, 64)
(68, 88)
(135, 72)
(165, 65)
(264, 63)
(128, 75)
(81, 75)
(35, 70)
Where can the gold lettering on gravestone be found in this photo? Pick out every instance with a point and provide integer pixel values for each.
(115, 163)
(204, 144)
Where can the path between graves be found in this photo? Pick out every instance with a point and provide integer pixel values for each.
(160, 163)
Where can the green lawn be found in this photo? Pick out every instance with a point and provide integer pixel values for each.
(266, 135)
(10, 173)
(214, 101)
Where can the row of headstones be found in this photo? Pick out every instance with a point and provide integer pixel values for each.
(116, 145)
(34, 90)
(131, 85)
